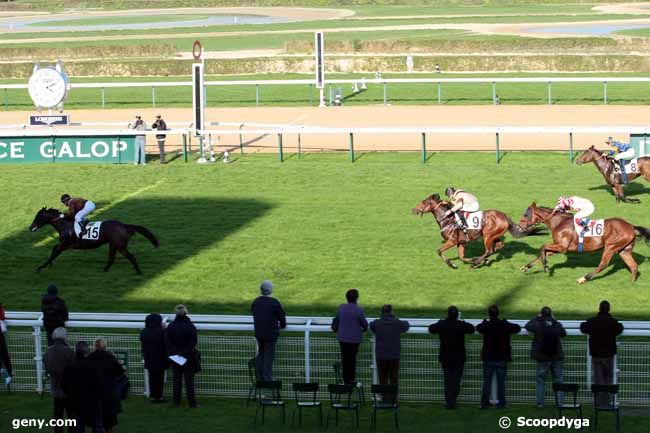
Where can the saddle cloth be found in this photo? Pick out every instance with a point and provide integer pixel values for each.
(474, 220)
(596, 228)
(631, 166)
(92, 231)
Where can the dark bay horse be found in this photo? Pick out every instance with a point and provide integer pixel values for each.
(495, 225)
(607, 167)
(618, 237)
(113, 233)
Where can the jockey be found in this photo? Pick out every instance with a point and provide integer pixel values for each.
(79, 208)
(462, 201)
(582, 206)
(622, 153)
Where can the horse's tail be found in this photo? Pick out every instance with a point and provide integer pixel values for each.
(519, 232)
(146, 233)
(644, 232)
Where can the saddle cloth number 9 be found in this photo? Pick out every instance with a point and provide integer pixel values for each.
(474, 220)
(596, 228)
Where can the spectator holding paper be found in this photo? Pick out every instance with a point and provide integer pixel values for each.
(181, 339)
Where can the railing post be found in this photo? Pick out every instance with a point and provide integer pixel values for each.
(331, 95)
(498, 150)
(38, 357)
(153, 96)
(241, 140)
(570, 146)
(494, 92)
(439, 92)
(257, 95)
(280, 151)
(385, 94)
(311, 95)
(307, 352)
(588, 368)
(299, 146)
(351, 147)
(605, 92)
(550, 94)
(103, 97)
(185, 147)
(424, 148)
(375, 375)
(146, 383)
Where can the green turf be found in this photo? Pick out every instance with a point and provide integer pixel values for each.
(316, 227)
(124, 19)
(635, 32)
(403, 10)
(231, 415)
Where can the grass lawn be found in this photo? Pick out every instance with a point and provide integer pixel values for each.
(125, 19)
(231, 415)
(314, 226)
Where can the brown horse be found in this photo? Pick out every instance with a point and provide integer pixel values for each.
(495, 225)
(607, 167)
(618, 237)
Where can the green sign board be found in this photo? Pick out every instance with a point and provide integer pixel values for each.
(641, 144)
(106, 149)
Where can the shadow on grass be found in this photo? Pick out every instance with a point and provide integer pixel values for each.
(631, 189)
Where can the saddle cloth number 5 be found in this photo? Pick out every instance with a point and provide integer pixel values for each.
(474, 220)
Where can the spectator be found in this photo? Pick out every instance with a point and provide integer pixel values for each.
(388, 330)
(546, 349)
(437, 68)
(140, 156)
(81, 384)
(602, 330)
(5, 361)
(109, 371)
(57, 357)
(152, 339)
(160, 125)
(55, 312)
(349, 324)
(496, 353)
(452, 352)
(181, 339)
(269, 318)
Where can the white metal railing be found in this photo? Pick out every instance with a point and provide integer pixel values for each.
(307, 350)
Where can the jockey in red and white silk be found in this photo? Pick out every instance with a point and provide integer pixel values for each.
(581, 206)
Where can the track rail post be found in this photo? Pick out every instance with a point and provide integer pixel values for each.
(570, 147)
(241, 140)
(257, 95)
(385, 94)
(494, 93)
(439, 92)
(280, 150)
(550, 93)
(153, 96)
(299, 147)
(498, 150)
(424, 148)
(605, 92)
(185, 147)
(351, 147)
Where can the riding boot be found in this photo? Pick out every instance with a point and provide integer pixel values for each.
(82, 228)
(623, 173)
(463, 224)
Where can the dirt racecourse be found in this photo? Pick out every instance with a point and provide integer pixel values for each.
(636, 117)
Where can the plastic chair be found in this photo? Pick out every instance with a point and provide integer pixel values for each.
(304, 403)
(567, 388)
(611, 406)
(275, 400)
(338, 376)
(339, 401)
(388, 401)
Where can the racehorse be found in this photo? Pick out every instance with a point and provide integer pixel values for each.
(607, 167)
(113, 233)
(495, 224)
(618, 237)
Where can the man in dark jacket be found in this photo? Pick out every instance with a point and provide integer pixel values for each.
(55, 312)
(349, 324)
(602, 331)
(56, 359)
(496, 354)
(82, 386)
(268, 318)
(152, 339)
(181, 340)
(109, 371)
(388, 330)
(452, 352)
(160, 125)
(546, 349)
(5, 360)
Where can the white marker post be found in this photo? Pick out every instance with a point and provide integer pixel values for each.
(198, 96)
(319, 53)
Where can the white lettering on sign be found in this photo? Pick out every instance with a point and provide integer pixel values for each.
(15, 150)
(80, 153)
(96, 153)
(118, 146)
(46, 149)
(66, 150)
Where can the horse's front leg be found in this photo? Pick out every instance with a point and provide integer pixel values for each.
(540, 257)
(58, 249)
(461, 254)
(447, 245)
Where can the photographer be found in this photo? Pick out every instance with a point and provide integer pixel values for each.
(160, 125)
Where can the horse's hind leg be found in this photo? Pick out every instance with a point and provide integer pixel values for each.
(131, 259)
(627, 257)
(604, 262)
(111, 257)
(461, 254)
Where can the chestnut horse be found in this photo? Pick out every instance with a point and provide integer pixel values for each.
(495, 225)
(607, 167)
(618, 237)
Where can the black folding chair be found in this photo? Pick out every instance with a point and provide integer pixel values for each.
(252, 376)
(341, 399)
(610, 406)
(338, 376)
(384, 398)
(301, 391)
(274, 400)
(567, 388)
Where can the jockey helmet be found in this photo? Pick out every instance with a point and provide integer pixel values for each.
(450, 191)
(64, 198)
(610, 139)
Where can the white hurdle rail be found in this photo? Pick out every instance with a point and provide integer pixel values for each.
(307, 349)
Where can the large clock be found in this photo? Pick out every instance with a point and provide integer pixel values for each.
(48, 86)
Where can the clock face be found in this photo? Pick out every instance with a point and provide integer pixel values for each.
(47, 87)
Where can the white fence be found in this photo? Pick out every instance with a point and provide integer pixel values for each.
(307, 350)
(362, 82)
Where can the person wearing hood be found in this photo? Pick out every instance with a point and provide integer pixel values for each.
(55, 312)
(181, 340)
(56, 359)
(602, 330)
(268, 318)
(109, 370)
(546, 349)
(152, 339)
(388, 331)
(82, 386)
